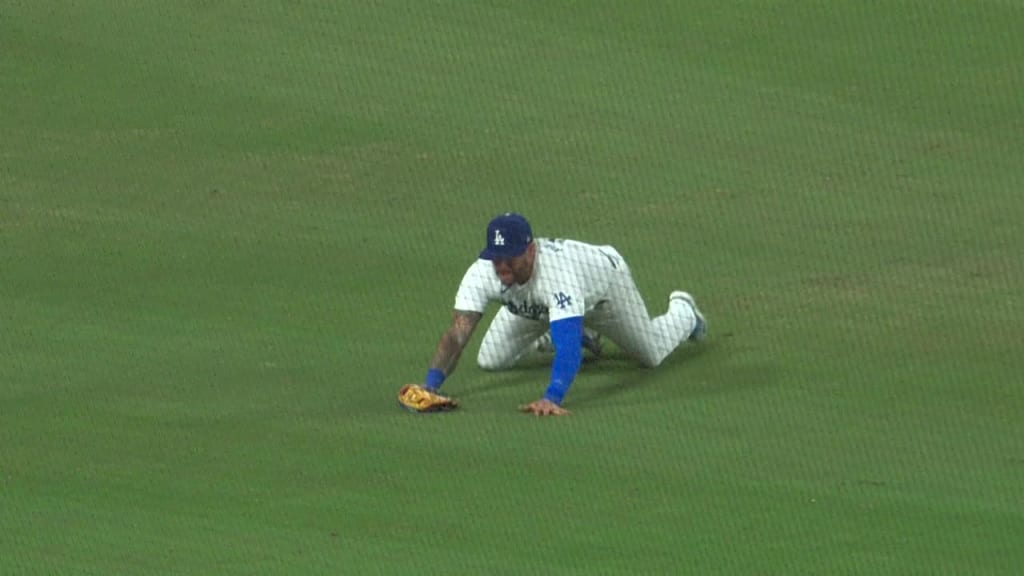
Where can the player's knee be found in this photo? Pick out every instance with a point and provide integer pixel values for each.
(650, 360)
(649, 363)
(490, 362)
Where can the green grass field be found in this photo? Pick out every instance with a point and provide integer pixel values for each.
(229, 231)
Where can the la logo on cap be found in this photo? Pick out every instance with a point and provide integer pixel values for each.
(499, 240)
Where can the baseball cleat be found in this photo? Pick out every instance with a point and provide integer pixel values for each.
(544, 344)
(592, 342)
(700, 330)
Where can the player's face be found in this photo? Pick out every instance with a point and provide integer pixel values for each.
(516, 270)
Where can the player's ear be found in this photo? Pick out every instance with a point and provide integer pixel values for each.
(531, 250)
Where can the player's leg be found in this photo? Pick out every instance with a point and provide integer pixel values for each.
(509, 338)
(625, 320)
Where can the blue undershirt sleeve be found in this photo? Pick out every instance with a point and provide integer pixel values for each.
(567, 336)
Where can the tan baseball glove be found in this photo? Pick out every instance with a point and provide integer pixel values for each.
(416, 398)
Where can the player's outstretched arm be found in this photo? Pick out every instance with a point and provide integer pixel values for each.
(567, 335)
(451, 345)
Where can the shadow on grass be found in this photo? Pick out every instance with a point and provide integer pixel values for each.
(533, 371)
(691, 371)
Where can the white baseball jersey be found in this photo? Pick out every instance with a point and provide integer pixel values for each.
(569, 279)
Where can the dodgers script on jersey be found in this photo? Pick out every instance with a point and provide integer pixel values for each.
(569, 278)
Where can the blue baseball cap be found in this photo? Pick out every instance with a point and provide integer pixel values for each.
(508, 235)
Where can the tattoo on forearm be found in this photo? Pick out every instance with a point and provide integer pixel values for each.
(454, 340)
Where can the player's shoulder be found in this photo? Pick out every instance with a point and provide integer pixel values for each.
(481, 264)
(479, 272)
(557, 245)
(563, 260)
(570, 251)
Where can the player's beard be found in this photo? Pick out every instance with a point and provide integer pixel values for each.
(512, 271)
(505, 273)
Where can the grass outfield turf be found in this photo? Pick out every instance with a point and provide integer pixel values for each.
(229, 231)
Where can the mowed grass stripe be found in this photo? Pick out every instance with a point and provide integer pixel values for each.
(233, 231)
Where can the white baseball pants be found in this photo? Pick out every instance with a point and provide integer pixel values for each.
(622, 318)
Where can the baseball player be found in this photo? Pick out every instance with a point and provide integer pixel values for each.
(550, 289)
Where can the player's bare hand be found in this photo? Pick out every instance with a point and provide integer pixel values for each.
(543, 407)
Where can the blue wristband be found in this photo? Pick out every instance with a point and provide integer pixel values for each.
(435, 377)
